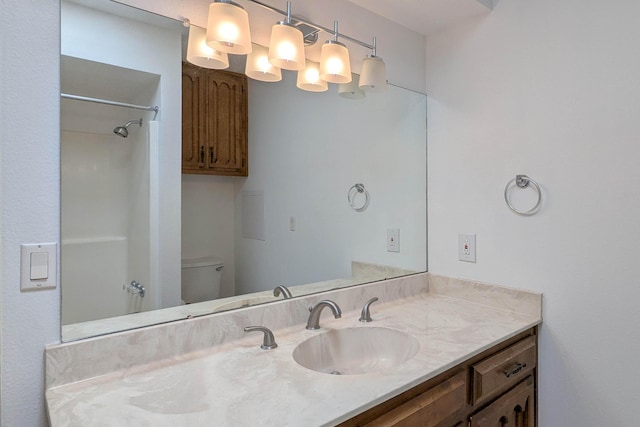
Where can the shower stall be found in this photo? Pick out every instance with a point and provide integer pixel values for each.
(109, 156)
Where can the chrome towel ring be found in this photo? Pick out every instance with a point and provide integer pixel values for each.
(523, 181)
(351, 197)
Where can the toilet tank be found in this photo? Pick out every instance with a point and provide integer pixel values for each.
(201, 279)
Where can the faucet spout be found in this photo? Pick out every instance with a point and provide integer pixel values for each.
(314, 316)
(282, 289)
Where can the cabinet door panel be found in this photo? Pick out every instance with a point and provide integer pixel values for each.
(193, 118)
(226, 124)
(514, 408)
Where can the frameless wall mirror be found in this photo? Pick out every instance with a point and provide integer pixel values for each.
(336, 192)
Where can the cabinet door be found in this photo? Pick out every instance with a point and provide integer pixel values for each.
(226, 126)
(434, 408)
(193, 118)
(513, 409)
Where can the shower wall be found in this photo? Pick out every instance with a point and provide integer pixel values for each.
(105, 221)
(121, 58)
(139, 64)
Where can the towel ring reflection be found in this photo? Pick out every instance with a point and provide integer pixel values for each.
(351, 197)
(523, 181)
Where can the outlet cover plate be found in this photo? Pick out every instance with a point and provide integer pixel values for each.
(393, 240)
(467, 247)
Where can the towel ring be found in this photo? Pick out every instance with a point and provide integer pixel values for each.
(522, 181)
(351, 197)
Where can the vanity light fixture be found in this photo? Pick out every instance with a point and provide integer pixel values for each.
(373, 76)
(228, 31)
(200, 54)
(351, 90)
(258, 66)
(334, 60)
(309, 78)
(228, 27)
(286, 48)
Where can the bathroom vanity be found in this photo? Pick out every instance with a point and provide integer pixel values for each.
(471, 357)
(494, 387)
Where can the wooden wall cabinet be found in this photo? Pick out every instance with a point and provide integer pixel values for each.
(493, 389)
(214, 122)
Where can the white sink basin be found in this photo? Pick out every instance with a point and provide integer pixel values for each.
(354, 351)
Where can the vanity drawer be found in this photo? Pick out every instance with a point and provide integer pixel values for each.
(503, 370)
(433, 408)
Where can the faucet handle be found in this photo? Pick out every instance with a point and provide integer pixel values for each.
(365, 316)
(268, 341)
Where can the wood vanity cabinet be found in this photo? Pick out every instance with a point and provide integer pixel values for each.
(493, 389)
(214, 122)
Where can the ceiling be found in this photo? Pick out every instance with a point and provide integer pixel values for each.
(426, 16)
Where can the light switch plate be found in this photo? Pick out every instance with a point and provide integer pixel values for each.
(45, 276)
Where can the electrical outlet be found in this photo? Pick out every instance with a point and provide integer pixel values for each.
(467, 247)
(393, 240)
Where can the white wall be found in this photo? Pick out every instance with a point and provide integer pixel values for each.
(29, 196)
(207, 223)
(549, 89)
(100, 37)
(305, 156)
(305, 168)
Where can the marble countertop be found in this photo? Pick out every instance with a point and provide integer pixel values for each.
(238, 384)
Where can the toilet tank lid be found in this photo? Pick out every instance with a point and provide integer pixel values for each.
(202, 262)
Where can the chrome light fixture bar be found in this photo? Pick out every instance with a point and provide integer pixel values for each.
(312, 24)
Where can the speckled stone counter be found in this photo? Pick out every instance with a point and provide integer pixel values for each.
(206, 371)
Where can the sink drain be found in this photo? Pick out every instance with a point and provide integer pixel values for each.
(335, 373)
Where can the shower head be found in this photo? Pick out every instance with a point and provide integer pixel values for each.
(122, 130)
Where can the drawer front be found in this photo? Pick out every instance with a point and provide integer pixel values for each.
(434, 407)
(503, 370)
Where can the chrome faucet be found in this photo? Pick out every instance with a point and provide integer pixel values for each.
(365, 316)
(268, 342)
(286, 293)
(314, 316)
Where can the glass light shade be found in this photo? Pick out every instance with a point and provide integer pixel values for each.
(351, 90)
(309, 78)
(286, 49)
(258, 66)
(200, 54)
(228, 28)
(373, 77)
(334, 63)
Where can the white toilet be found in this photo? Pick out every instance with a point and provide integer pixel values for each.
(201, 279)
